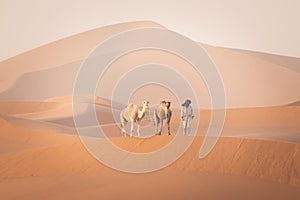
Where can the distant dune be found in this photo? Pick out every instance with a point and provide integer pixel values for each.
(295, 104)
(61, 52)
(291, 63)
(253, 82)
(250, 79)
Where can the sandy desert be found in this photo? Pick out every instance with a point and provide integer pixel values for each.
(42, 156)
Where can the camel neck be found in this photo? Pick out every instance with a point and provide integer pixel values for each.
(144, 109)
(142, 112)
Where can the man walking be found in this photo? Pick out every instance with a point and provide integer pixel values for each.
(187, 115)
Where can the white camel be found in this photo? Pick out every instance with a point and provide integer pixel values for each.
(161, 113)
(132, 114)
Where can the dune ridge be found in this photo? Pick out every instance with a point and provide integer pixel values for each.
(58, 154)
(61, 51)
(245, 75)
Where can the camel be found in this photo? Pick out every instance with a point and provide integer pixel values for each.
(161, 113)
(132, 114)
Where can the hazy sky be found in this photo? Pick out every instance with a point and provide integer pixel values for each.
(261, 25)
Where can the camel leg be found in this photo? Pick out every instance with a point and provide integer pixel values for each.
(169, 115)
(124, 129)
(155, 123)
(168, 123)
(157, 128)
(161, 126)
(123, 125)
(131, 128)
(138, 128)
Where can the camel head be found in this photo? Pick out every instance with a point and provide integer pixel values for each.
(168, 104)
(145, 104)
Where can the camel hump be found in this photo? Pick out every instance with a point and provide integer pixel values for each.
(130, 106)
(135, 107)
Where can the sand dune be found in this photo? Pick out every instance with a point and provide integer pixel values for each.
(246, 76)
(19, 134)
(54, 108)
(291, 63)
(60, 52)
(273, 123)
(51, 160)
(295, 104)
(230, 156)
(280, 123)
(13, 108)
(166, 184)
(43, 84)
(39, 157)
(253, 82)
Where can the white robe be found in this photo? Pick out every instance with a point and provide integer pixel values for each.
(186, 115)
